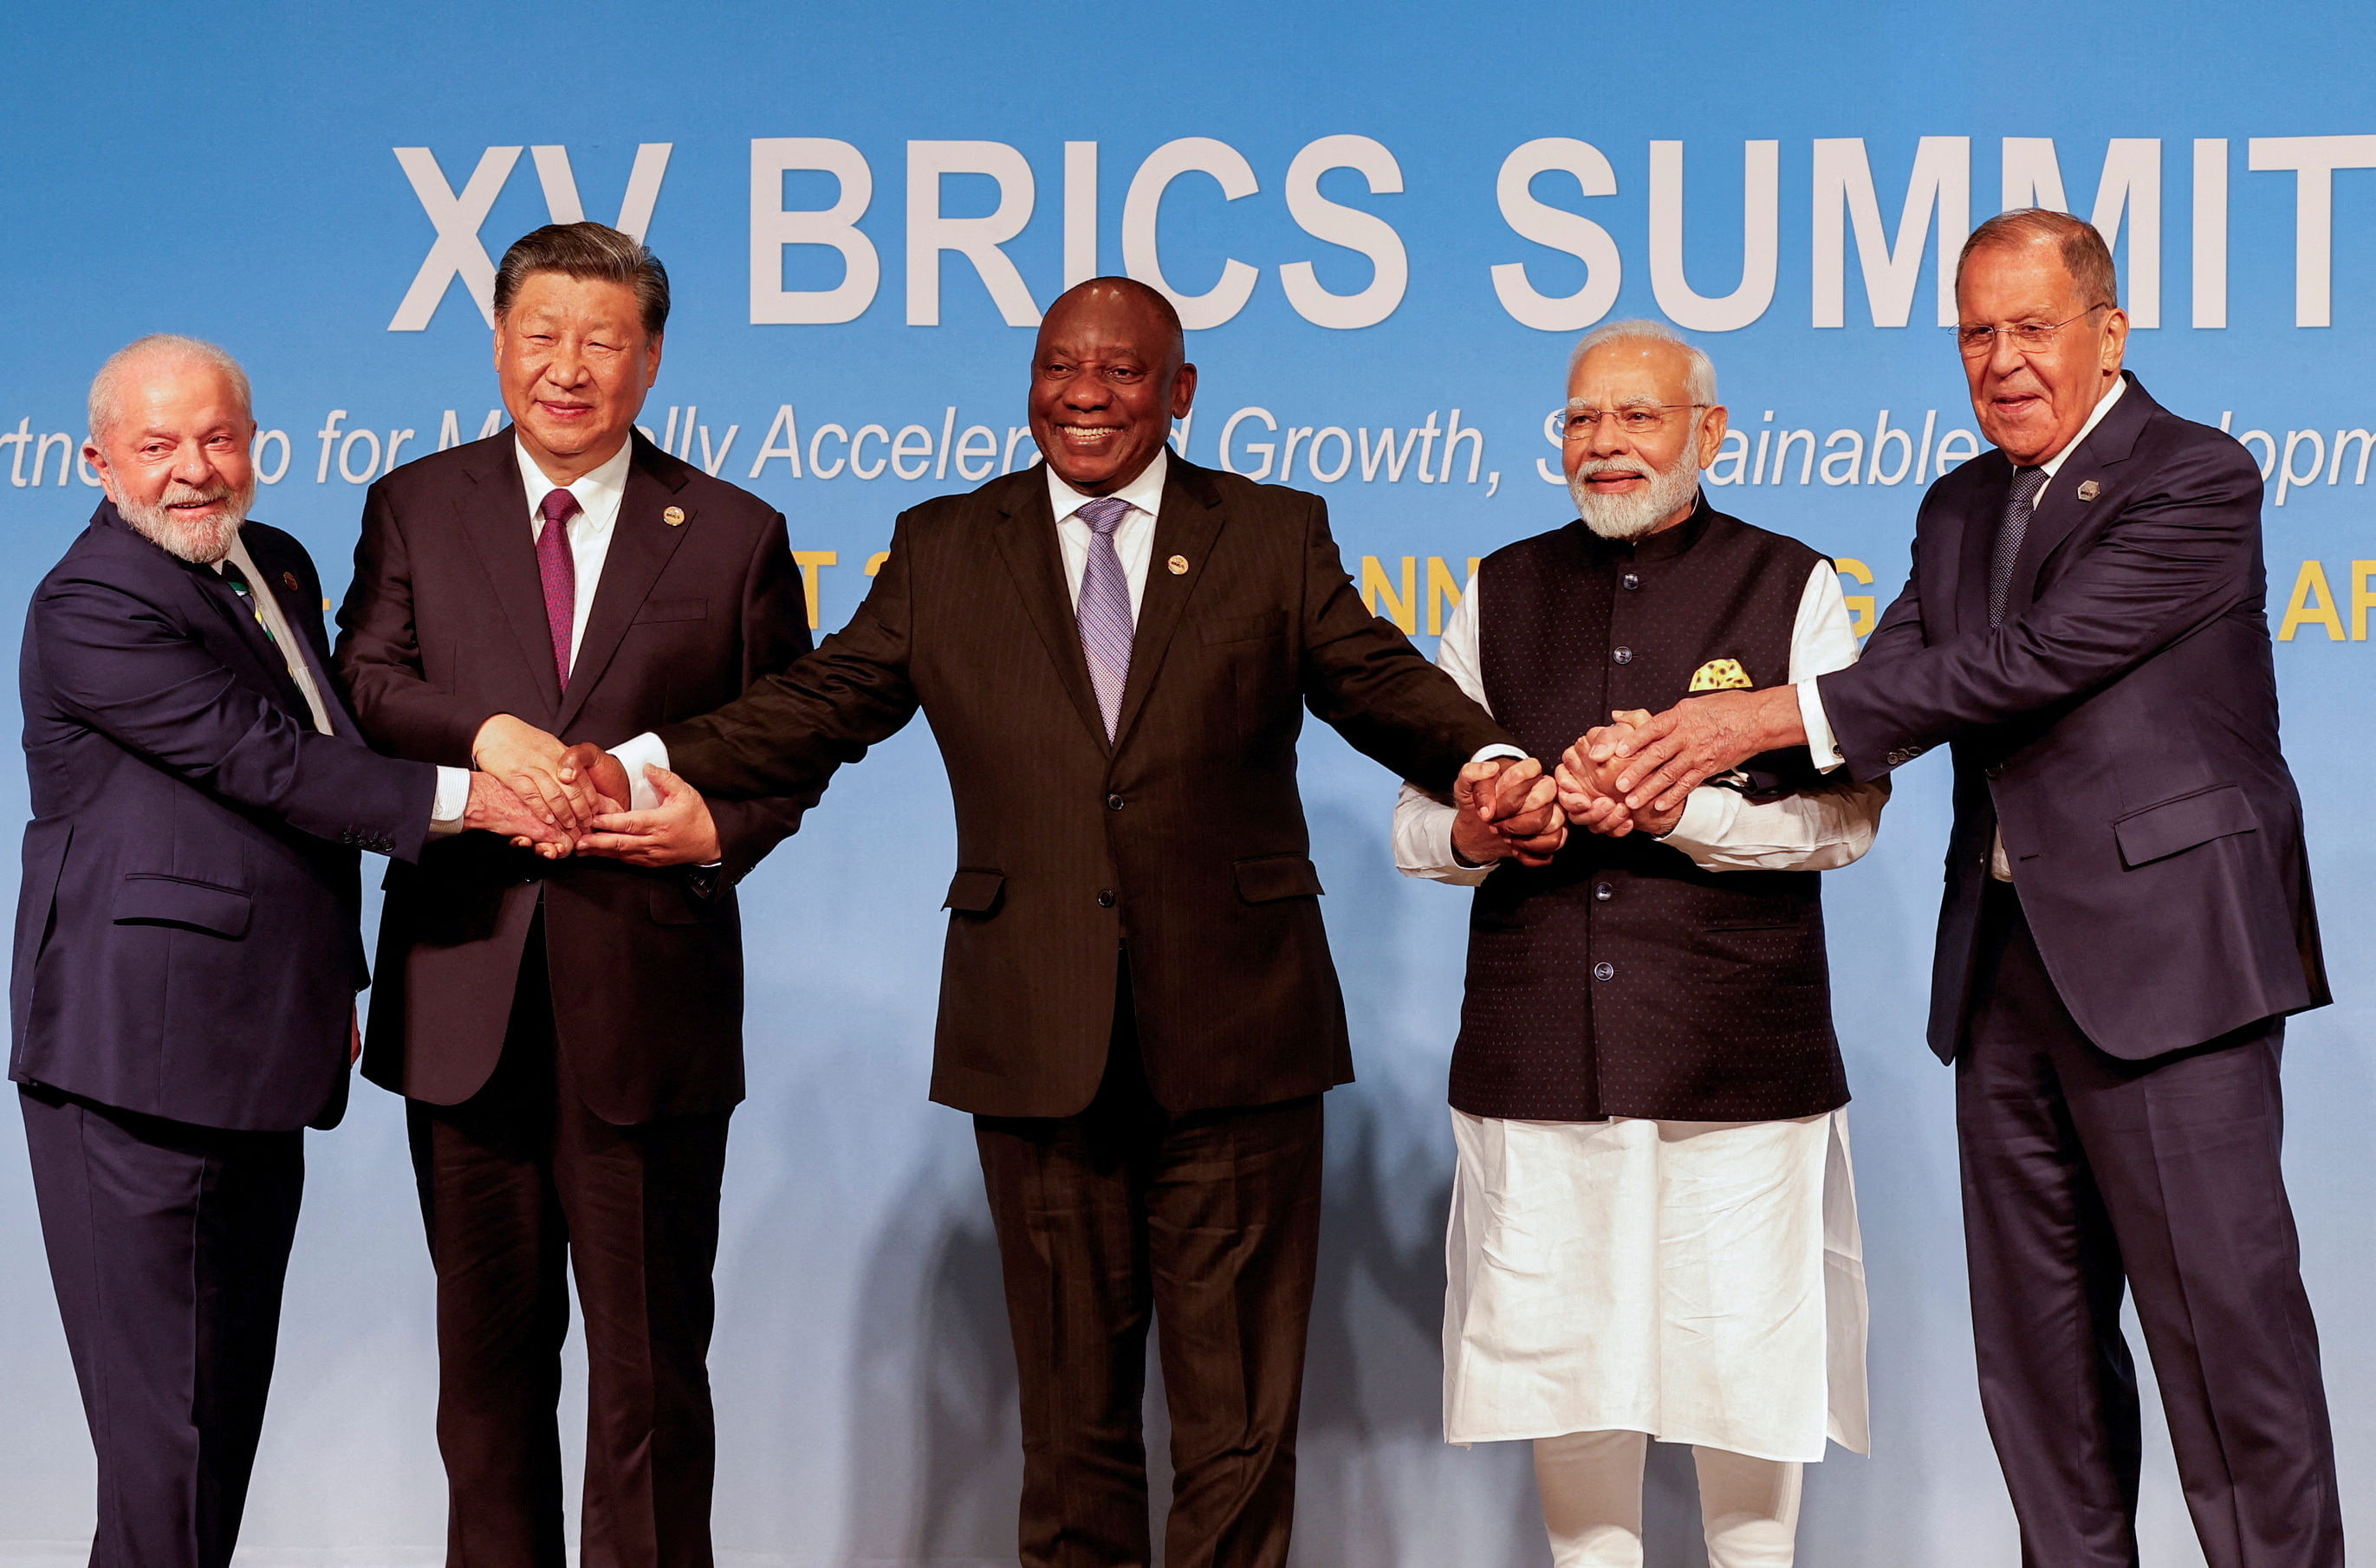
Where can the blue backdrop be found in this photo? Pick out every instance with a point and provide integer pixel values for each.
(1392, 218)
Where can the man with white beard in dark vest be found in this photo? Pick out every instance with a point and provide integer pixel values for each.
(1653, 1227)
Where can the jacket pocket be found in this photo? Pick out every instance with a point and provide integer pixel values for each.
(2155, 832)
(149, 898)
(975, 892)
(1244, 628)
(672, 610)
(1268, 878)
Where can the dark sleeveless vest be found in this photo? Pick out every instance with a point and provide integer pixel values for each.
(1621, 979)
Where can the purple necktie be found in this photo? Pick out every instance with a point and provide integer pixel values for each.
(1104, 608)
(558, 568)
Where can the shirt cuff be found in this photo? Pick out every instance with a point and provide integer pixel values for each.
(1486, 754)
(453, 797)
(634, 755)
(1821, 744)
(1707, 818)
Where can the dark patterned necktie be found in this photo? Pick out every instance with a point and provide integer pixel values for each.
(2011, 528)
(237, 582)
(1104, 613)
(558, 568)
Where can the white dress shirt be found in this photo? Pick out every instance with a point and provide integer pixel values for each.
(1825, 747)
(1721, 829)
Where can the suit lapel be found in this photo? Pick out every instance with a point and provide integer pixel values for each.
(1027, 541)
(494, 518)
(2063, 511)
(304, 621)
(642, 541)
(1184, 530)
(1981, 517)
(263, 657)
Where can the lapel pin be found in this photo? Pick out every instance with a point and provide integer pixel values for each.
(1179, 565)
(289, 579)
(674, 517)
(2089, 489)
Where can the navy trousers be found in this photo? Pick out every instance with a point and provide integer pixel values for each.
(2086, 1176)
(168, 1247)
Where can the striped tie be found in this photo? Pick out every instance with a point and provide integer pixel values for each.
(2020, 501)
(1104, 609)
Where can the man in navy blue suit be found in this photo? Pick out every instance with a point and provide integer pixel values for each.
(2127, 922)
(187, 953)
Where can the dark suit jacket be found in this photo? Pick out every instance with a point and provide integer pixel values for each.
(186, 937)
(2121, 725)
(1186, 838)
(444, 627)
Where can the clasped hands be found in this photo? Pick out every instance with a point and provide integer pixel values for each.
(562, 800)
(1633, 773)
(1510, 809)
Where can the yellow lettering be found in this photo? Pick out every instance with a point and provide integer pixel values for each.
(1378, 592)
(2313, 603)
(875, 562)
(1861, 605)
(810, 562)
(1443, 592)
(2362, 601)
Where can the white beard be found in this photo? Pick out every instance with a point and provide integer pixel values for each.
(1635, 512)
(202, 543)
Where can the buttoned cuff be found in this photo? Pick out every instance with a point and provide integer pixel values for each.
(1821, 744)
(634, 755)
(452, 798)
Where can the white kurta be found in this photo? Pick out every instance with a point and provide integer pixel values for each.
(1699, 1281)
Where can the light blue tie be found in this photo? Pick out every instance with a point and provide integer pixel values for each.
(1104, 608)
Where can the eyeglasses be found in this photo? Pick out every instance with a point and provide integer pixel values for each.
(1978, 342)
(1577, 422)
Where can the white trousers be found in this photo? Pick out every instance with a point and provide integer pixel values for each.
(1591, 1486)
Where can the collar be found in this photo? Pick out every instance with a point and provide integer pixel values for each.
(1144, 493)
(606, 484)
(2103, 406)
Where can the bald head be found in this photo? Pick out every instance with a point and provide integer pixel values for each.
(1109, 375)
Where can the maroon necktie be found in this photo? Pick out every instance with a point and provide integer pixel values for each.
(558, 568)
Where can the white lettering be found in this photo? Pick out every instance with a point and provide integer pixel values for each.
(773, 228)
(1843, 196)
(1761, 238)
(1558, 230)
(976, 239)
(1142, 253)
(1348, 226)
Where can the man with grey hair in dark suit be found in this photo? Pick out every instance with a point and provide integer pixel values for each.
(187, 955)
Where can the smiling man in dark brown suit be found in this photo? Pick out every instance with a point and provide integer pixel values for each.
(569, 1033)
(1138, 1004)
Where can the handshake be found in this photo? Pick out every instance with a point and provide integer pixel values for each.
(1509, 810)
(527, 786)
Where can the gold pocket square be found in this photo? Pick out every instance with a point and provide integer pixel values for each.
(1721, 675)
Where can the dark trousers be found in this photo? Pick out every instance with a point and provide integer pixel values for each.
(1211, 1222)
(168, 1246)
(2084, 1173)
(518, 1184)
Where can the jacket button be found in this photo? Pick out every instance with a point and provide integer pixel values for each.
(1994, 770)
(1113, 802)
(1623, 656)
(1604, 893)
(1604, 970)
(1630, 581)
(1105, 898)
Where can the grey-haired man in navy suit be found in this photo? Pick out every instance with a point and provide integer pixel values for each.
(187, 953)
